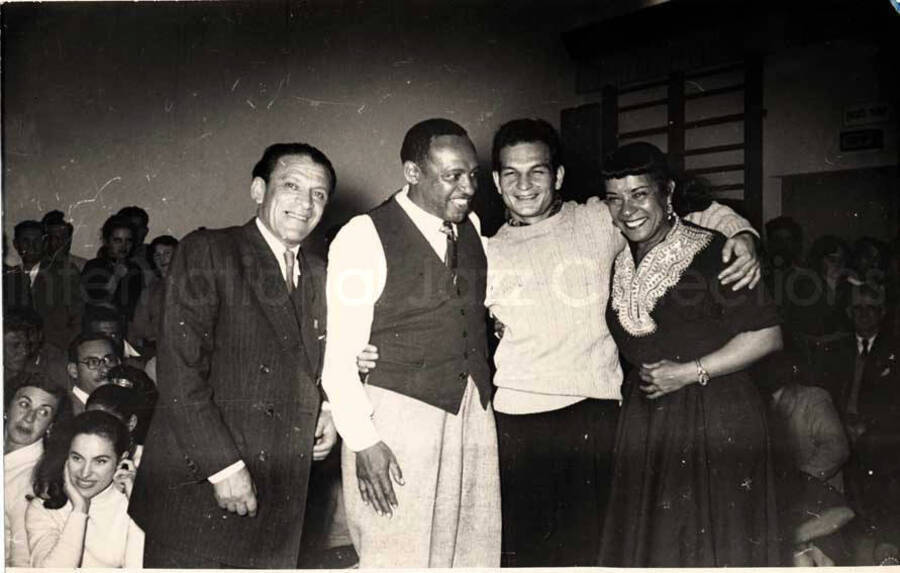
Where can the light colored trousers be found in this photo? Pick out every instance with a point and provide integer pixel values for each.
(448, 512)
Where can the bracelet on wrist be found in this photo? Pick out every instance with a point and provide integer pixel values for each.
(702, 374)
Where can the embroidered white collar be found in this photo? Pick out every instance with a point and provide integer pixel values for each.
(635, 291)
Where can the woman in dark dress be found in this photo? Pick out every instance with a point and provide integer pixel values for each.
(112, 279)
(692, 482)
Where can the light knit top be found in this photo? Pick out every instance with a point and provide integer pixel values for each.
(548, 283)
(18, 467)
(112, 540)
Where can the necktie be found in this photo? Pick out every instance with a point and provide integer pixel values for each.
(865, 348)
(289, 268)
(450, 255)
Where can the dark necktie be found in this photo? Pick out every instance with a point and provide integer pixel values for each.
(864, 353)
(289, 268)
(450, 255)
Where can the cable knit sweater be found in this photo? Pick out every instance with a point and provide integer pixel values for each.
(548, 283)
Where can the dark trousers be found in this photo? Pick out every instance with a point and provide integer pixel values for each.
(161, 556)
(555, 473)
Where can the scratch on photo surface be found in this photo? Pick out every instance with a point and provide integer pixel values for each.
(281, 84)
(250, 103)
(95, 197)
(235, 84)
(317, 102)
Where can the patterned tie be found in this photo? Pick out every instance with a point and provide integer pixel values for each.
(450, 255)
(289, 267)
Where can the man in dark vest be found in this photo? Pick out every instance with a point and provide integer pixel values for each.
(420, 473)
(226, 461)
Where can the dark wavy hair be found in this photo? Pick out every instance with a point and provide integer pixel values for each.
(41, 381)
(643, 158)
(48, 474)
(526, 130)
(267, 163)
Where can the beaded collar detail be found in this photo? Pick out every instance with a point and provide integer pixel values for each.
(635, 291)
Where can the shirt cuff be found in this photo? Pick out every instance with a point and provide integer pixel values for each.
(358, 435)
(224, 474)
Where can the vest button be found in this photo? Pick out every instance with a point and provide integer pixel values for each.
(465, 334)
(462, 311)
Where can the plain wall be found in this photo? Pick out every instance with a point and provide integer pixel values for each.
(168, 106)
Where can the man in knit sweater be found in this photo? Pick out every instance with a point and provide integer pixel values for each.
(558, 375)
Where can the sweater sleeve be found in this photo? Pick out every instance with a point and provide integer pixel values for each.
(721, 218)
(50, 544)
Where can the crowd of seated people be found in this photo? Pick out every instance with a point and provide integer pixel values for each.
(835, 396)
(78, 396)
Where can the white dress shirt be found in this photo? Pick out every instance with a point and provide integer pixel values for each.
(357, 271)
(278, 248)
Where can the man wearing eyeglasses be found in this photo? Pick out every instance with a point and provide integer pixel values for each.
(90, 358)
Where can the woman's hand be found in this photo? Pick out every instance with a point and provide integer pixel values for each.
(366, 359)
(79, 502)
(665, 377)
(124, 476)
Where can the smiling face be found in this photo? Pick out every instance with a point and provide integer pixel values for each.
(92, 463)
(30, 414)
(446, 182)
(637, 205)
(120, 243)
(292, 202)
(527, 181)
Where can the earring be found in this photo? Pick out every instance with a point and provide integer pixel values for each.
(670, 212)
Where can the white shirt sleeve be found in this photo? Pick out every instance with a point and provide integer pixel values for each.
(356, 276)
(223, 474)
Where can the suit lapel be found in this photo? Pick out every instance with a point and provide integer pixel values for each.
(262, 272)
(311, 315)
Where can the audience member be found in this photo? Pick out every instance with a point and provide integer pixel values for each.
(91, 356)
(79, 516)
(24, 348)
(32, 407)
(869, 261)
(147, 395)
(16, 284)
(690, 485)
(146, 323)
(822, 296)
(140, 253)
(55, 291)
(104, 320)
(783, 273)
(59, 233)
(125, 403)
(809, 450)
(113, 279)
